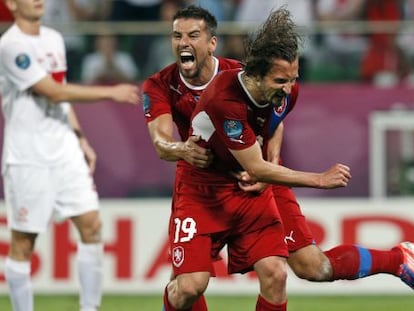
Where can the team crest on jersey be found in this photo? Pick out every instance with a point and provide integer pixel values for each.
(22, 61)
(178, 256)
(279, 110)
(146, 104)
(233, 128)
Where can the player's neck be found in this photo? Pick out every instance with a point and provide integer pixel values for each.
(252, 87)
(207, 72)
(30, 27)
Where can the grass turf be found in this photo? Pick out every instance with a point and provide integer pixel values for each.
(226, 303)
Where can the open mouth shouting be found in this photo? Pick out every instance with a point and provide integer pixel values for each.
(187, 60)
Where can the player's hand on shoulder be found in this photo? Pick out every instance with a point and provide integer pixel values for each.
(195, 154)
(126, 93)
(337, 176)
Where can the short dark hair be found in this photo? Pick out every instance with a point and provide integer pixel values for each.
(198, 12)
(276, 39)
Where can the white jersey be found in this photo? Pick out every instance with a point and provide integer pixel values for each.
(37, 132)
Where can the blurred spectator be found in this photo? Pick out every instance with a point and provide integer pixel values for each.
(223, 10)
(107, 64)
(66, 12)
(135, 10)
(384, 55)
(383, 61)
(160, 54)
(341, 51)
(233, 47)
(303, 13)
(406, 39)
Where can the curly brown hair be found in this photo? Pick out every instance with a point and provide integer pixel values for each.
(277, 38)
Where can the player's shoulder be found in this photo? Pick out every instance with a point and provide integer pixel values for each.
(50, 32)
(227, 75)
(228, 63)
(295, 91)
(11, 34)
(293, 97)
(225, 86)
(164, 76)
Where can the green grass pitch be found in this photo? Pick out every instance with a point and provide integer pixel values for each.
(227, 303)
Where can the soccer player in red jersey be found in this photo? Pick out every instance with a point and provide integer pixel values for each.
(307, 260)
(235, 117)
(170, 96)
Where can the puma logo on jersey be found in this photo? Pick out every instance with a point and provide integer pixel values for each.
(260, 121)
(177, 89)
(289, 237)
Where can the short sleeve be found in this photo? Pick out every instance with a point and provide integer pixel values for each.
(155, 99)
(21, 65)
(231, 125)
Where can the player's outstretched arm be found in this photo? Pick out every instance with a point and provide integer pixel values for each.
(57, 92)
(260, 170)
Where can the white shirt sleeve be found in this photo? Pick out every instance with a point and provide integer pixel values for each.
(21, 65)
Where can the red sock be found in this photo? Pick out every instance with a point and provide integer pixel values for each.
(199, 305)
(350, 262)
(264, 305)
(167, 306)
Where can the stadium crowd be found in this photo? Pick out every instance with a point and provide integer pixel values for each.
(372, 53)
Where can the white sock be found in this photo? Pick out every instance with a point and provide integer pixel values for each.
(89, 261)
(17, 275)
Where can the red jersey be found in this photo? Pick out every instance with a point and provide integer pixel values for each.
(166, 92)
(228, 118)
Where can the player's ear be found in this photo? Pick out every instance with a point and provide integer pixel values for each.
(11, 5)
(212, 44)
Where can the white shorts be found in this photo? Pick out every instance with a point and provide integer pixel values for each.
(35, 196)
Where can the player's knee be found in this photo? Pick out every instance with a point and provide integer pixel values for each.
(91, 231)
(272, 274)
(192, 287)
(279, 274)
(22, 245)
(315, 270)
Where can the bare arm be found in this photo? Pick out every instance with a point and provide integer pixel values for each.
(258, 169)
(275, 145)
(90, 155)
(57, 92)
(273, 156)
(161, 132)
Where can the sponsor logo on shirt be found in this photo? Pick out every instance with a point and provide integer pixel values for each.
(146, 104)
(234, 130)
(22, 61)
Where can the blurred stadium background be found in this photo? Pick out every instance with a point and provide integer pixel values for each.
(340, 117)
